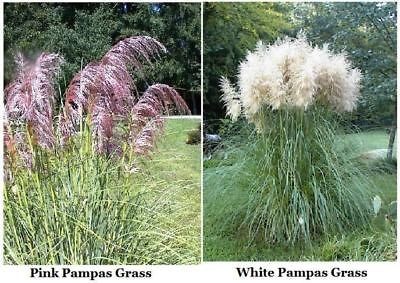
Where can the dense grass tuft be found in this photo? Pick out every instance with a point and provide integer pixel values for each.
(296, 184)
(79, 207)
(227, 177)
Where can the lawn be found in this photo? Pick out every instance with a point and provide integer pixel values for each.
(223, 241)
(370, 140)
(79, 207)
(178, 166)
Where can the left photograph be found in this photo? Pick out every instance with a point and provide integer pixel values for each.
(101, 128)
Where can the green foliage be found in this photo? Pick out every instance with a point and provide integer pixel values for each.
(194, 136)
(364, 245)
(84, 32)
(229, 30)
(368, 140)
(177, 26)
(78, 207)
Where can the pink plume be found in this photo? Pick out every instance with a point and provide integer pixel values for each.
(30, 97)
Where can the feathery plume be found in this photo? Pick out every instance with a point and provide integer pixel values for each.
(105, 91)
(107, 82)
(146, 122)
(30, 97)
(292, 73)
(145, 139)
(231, 99)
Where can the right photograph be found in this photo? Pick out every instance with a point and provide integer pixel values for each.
(300, 132)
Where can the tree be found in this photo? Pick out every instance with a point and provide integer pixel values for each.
(229, 30)
(82, 33)
(178, 27)
(367, 31)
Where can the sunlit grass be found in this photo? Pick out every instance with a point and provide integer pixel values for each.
(370, 140)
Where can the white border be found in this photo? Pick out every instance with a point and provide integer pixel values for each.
(206, 271)
(202, 135)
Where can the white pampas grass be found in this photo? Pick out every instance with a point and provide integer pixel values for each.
(230, 99)
(292, 73)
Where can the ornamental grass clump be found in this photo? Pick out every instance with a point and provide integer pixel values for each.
(297, 182)
(106, 92)
(103, 95)
(67, 198)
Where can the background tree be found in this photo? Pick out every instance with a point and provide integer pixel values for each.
(367, 32)
(229, 30)
(84, 32)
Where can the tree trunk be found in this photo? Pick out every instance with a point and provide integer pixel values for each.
(392, 133)
(391, 142)
(194, 104)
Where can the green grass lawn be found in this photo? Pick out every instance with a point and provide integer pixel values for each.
(223, 241)
(370, 140)
(79, 207)
(178, 165)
